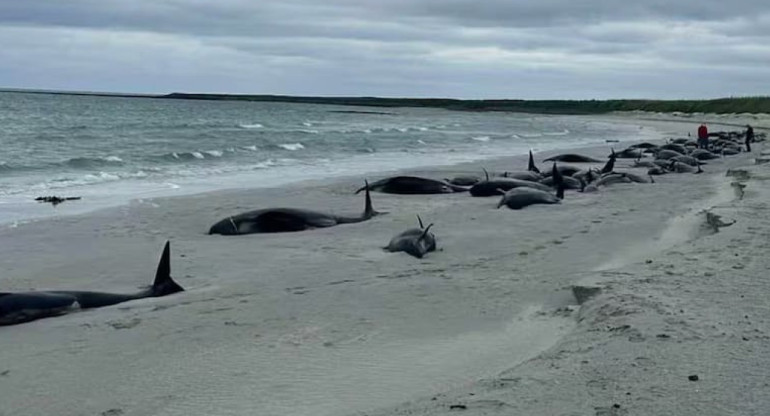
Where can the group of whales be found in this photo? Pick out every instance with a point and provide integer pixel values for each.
(518, 190)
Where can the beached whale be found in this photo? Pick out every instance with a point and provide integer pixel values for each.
(568, 181)
(565, 170)
(675, 147)
(278, 220)
(526, 175)
(667, 154)
(464, 180)
(613, 178)
(498, 185)
(630, 153)
(679, 167)
(519, 198)
(414, 241)
(412, 185)
(643, 145)
(20, 307)
(703, 154)
(572, 158)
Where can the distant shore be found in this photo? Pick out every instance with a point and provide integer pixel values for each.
(731, 105)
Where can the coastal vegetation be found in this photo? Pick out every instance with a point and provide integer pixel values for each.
(759, 104)
(730, 105)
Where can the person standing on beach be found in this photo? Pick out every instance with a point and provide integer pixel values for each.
(703, 137)
(749, 137)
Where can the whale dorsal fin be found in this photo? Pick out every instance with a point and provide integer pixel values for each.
(164, 284)
(531, 165)
(486, 174)
(420, 221)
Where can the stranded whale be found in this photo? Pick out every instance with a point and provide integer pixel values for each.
(278, 220)
(20, 307)
(414, 241)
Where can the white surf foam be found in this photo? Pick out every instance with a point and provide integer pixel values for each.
(292, 146)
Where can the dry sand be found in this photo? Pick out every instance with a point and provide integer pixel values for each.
(325, 322)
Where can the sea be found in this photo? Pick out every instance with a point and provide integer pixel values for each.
(112, 150)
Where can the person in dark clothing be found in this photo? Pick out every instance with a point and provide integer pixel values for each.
(749, 137)
(703, 137)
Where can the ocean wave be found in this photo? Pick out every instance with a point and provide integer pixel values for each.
(251, 126)
(184, 156)
(481, 138)
(557, 133)
(92, 162)
(292, 146)
(87, 179)
(215, 153)
(264, 165)
(530, 135)
(358, 131)
(252, 148)
(308, 131)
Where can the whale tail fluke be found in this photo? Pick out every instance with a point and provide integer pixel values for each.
(164, 284)
(425, 232)
(558, 180)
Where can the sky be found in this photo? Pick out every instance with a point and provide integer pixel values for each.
(528, 49)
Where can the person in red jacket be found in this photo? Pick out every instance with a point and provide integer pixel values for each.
(703, 137)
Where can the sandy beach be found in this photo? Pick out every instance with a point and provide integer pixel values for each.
(325, 322)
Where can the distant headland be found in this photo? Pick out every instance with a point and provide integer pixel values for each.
(757, 104)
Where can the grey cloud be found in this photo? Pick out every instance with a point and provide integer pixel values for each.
(462, 48)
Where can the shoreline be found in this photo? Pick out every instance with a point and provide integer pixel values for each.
(27, 210)
(37, 212)
(337, 324)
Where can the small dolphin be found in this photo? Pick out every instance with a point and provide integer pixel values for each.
(20, 307)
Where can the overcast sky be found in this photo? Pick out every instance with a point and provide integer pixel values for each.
(537, 49)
